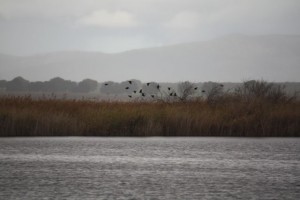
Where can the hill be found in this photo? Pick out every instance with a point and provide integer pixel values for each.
(232, 58)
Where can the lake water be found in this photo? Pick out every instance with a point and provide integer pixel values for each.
(149, 168)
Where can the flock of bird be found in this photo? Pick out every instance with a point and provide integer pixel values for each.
(171, 91)
(141, 92)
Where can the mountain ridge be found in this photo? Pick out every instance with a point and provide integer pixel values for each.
(231, 58)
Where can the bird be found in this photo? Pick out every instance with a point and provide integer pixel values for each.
(106, 84)
(130, 82)
(221, 85)
(127, 88)
(143, 94)
(134, 91)
(141, 90)
(129, 96)
(175, 95)
(169, 88)
(158, 86)
(203, 90)
(148, 84)
(171, 94)
(152, 96)
(195, 88)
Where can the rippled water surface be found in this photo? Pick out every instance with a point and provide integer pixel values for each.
(149, 168)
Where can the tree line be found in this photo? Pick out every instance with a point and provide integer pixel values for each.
(19, 84)
(182, 91)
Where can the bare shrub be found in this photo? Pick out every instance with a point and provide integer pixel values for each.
(186, 90)
(214, 92)
(254, 89)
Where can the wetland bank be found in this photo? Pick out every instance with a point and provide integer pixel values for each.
(256, 109)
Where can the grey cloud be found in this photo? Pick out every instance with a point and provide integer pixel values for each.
(33, 26)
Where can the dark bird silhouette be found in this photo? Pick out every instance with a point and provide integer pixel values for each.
(129, 96)
(221, 85)
(152, 96)
(130, 82)
(158, 86)
(106, 84)
(141, 90)
(127, 88)
(134, 91)
(169, 88)
(148, 84)
(203, 90)
(171, 94)
(195, 88)
(143, 94)
(175, 95)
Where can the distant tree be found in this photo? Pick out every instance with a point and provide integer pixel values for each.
(3, 84)
(214, 92)
(111, 87)
(254, 89)
(151, 88)
(186, 90)
(37, 86)
(60, 85)
(87, 85)
(18, 84)
(129, 86)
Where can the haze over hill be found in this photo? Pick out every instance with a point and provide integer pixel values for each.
(232, 58)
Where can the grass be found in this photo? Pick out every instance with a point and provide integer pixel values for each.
(24, 116)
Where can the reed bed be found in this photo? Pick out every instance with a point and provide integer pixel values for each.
(24, 116)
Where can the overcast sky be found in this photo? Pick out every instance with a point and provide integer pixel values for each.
(37, 26)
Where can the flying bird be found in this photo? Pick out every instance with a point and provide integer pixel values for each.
(106, 84)
(195, 88)
(148, 84)
(203, 91)
(130, 82)
(141, 90)
(169, 88)
(175, 95)
(221, 85)
(129, 96)
(127, 88)
(158, 86)
(171, 94)
(143, 94)
(152, 96)
(134, 91)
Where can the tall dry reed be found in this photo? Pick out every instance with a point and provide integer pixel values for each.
(230, 116)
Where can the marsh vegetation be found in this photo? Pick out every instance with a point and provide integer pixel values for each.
(256, 108)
